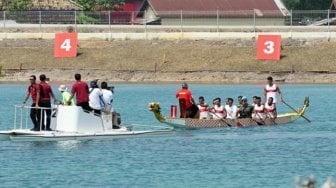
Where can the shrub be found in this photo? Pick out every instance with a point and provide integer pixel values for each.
(84, 19)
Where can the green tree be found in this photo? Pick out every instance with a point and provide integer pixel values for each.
(15, 4)
(100, 4)
(87, 4)
(308, 4)
(291, 4)
(109, 4)
(3, 4)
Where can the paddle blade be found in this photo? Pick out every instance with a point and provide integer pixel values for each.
(239, 124)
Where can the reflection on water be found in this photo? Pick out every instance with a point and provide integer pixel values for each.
(62, 145)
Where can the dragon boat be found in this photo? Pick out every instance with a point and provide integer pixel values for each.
(190, 123)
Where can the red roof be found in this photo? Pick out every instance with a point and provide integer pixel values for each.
(162, 7)
(132, 5)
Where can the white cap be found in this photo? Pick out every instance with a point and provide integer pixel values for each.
(62, 88)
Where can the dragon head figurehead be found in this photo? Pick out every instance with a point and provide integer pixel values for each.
(156, 109)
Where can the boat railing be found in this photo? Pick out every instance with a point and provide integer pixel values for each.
(22, 116)
(22, 119)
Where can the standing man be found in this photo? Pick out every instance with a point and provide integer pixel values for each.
(271, 90)
(185, 100)
(33, 90)
(44, 102)
(81, 90)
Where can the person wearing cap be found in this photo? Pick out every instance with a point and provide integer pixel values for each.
(96, 101)
(186, 102)
(65, 95)
(239, 98)
(245, 110)
(107, 97)
(271, 90)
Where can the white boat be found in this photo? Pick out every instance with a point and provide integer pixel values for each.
(71, 123)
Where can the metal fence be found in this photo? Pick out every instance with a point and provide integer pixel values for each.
(172, 21)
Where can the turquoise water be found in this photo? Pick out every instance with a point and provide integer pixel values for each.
(227, 157)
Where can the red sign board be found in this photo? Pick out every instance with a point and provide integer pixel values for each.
(269, 47)
(65, 45)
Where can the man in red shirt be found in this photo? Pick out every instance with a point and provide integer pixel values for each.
(44, 101)
(81, 89)
(186, 100)
(33, 90)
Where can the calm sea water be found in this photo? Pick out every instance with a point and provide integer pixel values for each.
(227, 157)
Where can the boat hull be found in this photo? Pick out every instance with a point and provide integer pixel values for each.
(215, 123)
(242, 122)
(27, 135)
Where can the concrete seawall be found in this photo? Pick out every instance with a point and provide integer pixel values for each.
(175, 35)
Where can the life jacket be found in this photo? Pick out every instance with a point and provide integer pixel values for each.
(270, 108)
(259, 111)
(219, 112)
(203, 110)
(273, 88)
(271, 92)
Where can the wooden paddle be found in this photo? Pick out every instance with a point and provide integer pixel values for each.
(282, 100)
(221, 119)
(260, 118)
(272, 119)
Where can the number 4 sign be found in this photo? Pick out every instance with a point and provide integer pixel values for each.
(269, 47)
(65, 45)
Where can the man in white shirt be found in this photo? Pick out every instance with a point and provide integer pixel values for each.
(107, 97)
(271, 90)
(231, 109)
(96, 101)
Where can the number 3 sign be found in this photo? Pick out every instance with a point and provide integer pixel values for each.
(65, 45)
(269, 47)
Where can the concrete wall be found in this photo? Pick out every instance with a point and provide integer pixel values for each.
(174, 35)
(224, 21)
